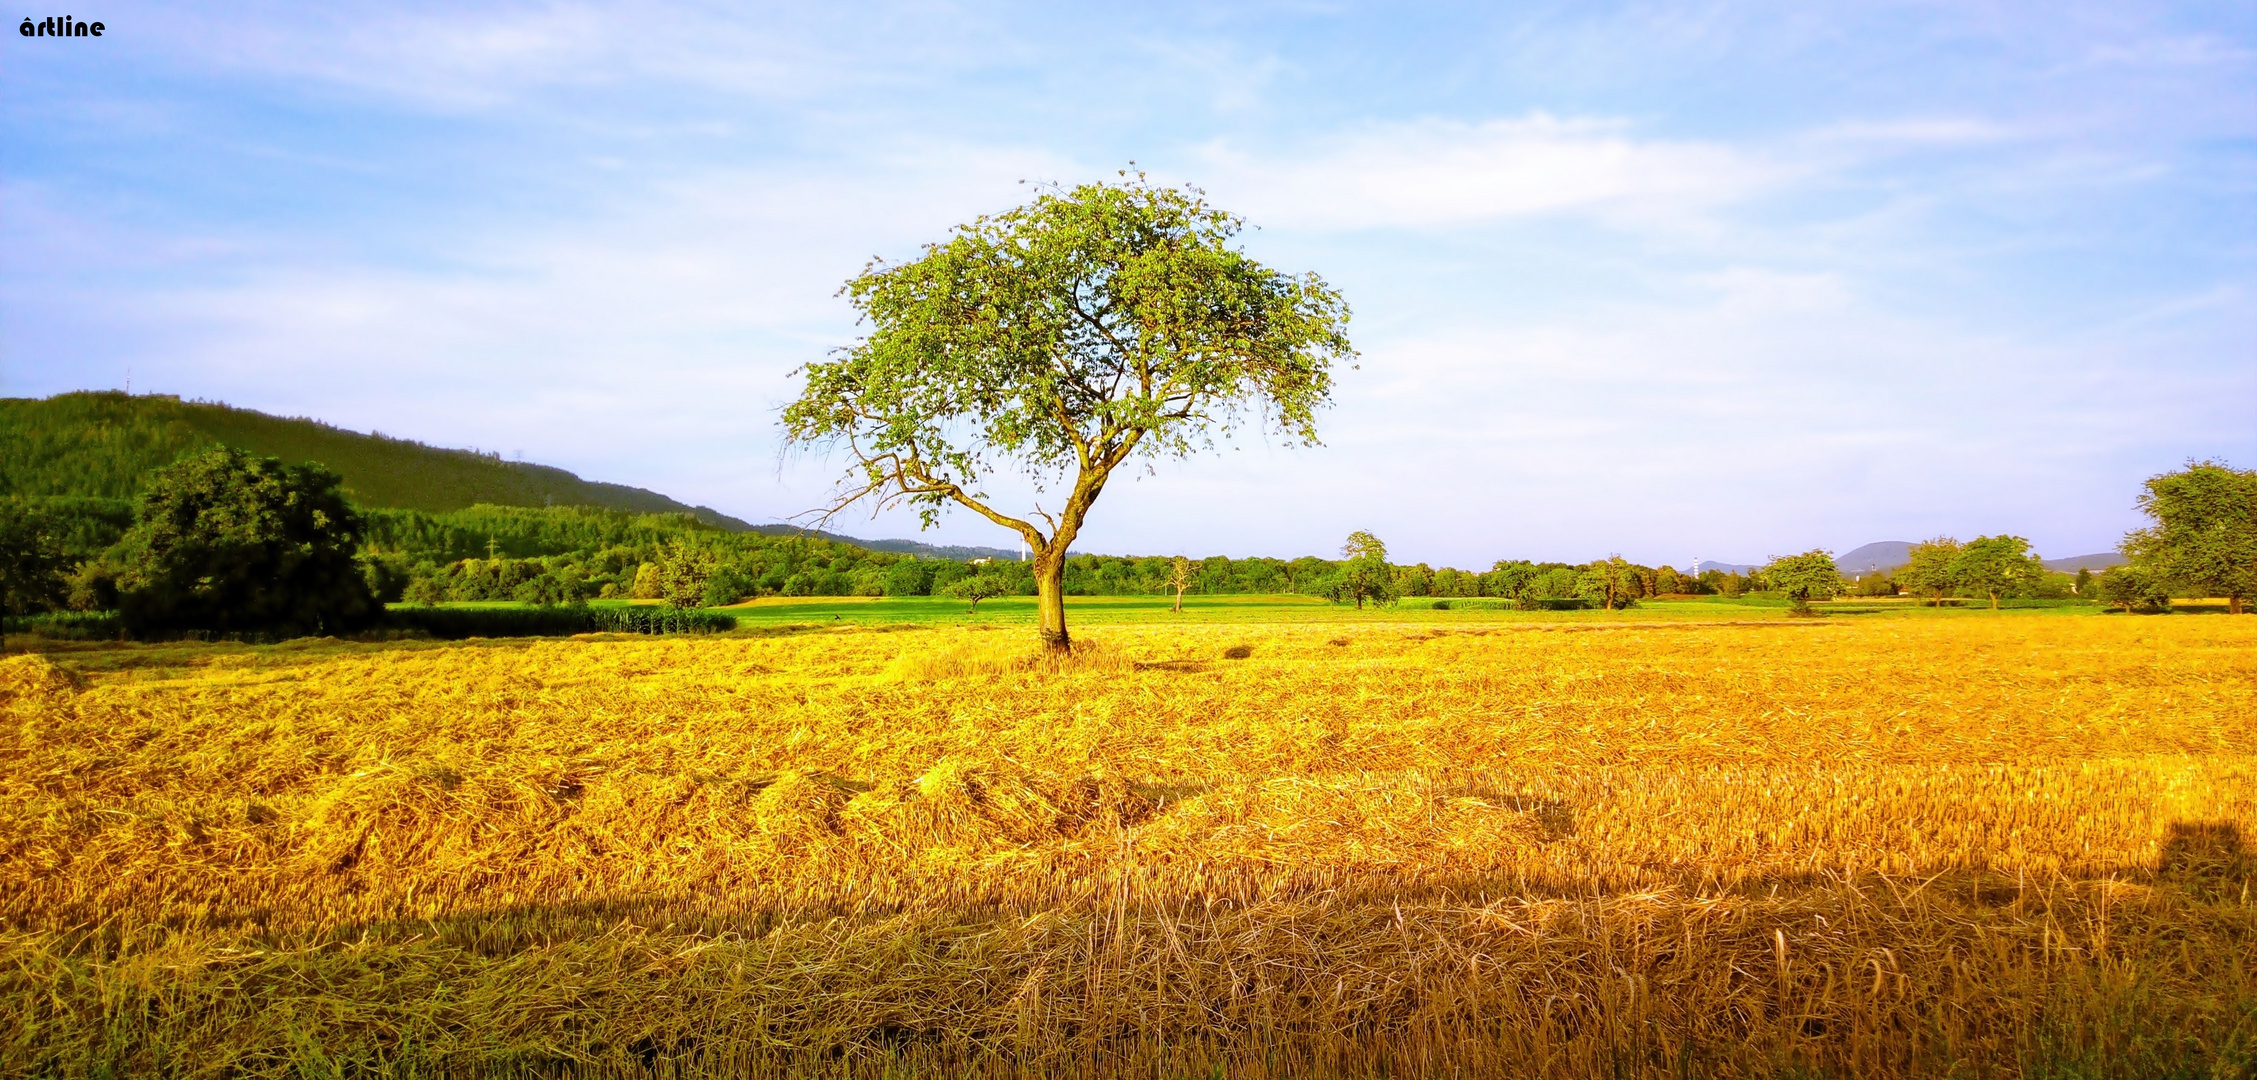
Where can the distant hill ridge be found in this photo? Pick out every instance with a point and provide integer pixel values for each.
(104, 444)
(959, 552)
(1883, 556)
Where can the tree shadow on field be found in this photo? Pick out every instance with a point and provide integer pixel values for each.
(2208, 859)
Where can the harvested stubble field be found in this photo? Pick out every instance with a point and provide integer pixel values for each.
(1969, 847)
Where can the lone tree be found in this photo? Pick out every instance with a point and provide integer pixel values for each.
(2135, 588)
(1612, 581)
(1805, 577)
(1181, 577)
(2204, 539)
(1365, 574)
(976, 588)
(1059, 340)
(1928, 569)
(231, 542)
(683, 572)
(1995, 566)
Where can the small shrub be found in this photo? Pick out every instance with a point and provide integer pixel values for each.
(1238, 652)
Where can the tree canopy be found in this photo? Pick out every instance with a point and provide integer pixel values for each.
(1365, 575)
(2134, 587)
(1995, 566)
(2204, 540)
(1181, 576)
(1612, 581)
(1927, 569)
(235, 543)
(1805, 577)
(1059, 340)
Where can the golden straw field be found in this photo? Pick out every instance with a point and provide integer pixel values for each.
(1887, 847)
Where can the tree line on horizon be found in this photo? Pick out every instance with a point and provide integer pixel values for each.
(225, 541)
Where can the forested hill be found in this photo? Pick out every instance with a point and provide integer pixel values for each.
(103, 444)
(959, 552)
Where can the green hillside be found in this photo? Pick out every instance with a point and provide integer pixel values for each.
(103, 444)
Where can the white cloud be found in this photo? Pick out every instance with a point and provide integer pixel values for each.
(1437, 173)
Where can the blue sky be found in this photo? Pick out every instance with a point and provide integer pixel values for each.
(1723, 280)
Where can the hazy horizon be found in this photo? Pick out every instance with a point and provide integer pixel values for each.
(1726, 280)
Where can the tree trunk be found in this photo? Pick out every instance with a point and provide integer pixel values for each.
(1179, 599)
(2233, 605)
(1050, 600)
(1994, 601)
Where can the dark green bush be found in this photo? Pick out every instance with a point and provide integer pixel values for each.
(1555, 603)
(457, 623)
(68, 625)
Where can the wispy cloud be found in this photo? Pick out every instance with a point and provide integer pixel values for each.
(1438, 173)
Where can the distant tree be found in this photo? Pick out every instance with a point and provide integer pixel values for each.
(31, 563)
(1414, 580)
(1069, 335)
(1509, 578)
(388, 577)
(728, 584)
(2083, 584)
(1805, 577)
(2204, 540)
(1365, 575)
(1928, 572)
(648, 584)
(978, 587)
(1669, 581)
(234, 543)
(1307, 574)
(1450, 581)
(2134, 587)
(910, 577)
(1215, 574)
(1613, 581)
(1556, 583)
(1995, 566)
(1180, 576)
(683, 573)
